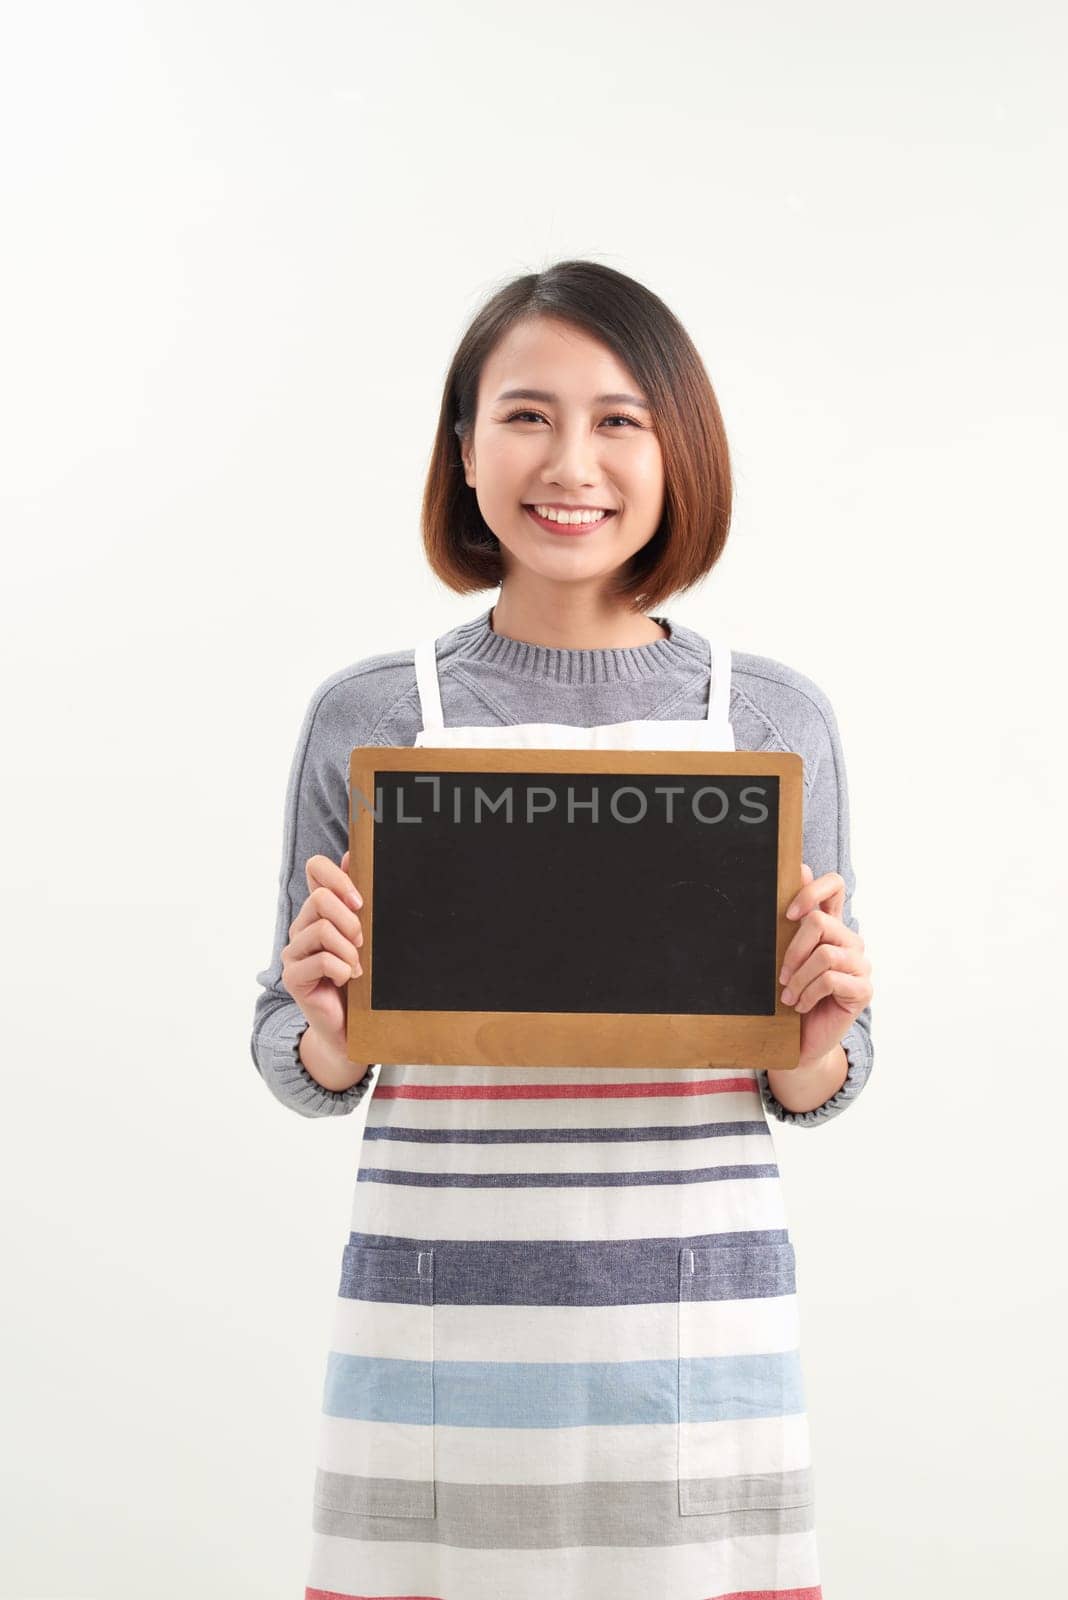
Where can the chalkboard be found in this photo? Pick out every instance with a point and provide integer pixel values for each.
(554, 907)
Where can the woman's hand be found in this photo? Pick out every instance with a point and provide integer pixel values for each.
(825, 971)
(323, 951)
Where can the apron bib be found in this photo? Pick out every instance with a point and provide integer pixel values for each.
(565, 1351)
(713, 733)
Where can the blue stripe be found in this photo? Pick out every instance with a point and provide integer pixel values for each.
(568, 1272)
(536, 1394)
(562, 1180)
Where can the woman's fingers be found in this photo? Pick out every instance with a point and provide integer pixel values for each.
(827, 891)
(818, 928)
(806, 985)
(822, 940)
(849, 989)
(321, 872)
(328, 919)
(824, 957)
(324, 903)
(324, 935)
(323, 953)
(302, 977)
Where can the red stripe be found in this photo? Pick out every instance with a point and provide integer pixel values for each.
(767, 1594)
(562, 1091)
(738, 1594)
(335, 1594)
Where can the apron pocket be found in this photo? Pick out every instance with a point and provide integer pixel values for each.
(376, 1451)
(743, 1441)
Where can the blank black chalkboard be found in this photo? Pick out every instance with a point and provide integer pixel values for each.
(534, 903)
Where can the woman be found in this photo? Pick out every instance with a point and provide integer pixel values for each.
(565, 1352)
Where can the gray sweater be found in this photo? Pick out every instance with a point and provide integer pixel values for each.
(488, 679)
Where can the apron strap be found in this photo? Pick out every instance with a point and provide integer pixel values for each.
(719, 681)
(426, 676)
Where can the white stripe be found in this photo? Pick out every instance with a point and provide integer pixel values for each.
(604, 1155)
(671, 734)
(621, 1454)
(383, 1328)
(567, 1333)
(377, 1449)
(624, 1211)
(715, 1566)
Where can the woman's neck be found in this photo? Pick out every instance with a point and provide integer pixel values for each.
(578, 623)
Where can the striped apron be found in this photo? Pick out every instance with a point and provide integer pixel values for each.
(565, 1351)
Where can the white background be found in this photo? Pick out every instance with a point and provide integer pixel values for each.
(242, 241)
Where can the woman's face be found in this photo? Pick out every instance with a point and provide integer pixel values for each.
(566, 446)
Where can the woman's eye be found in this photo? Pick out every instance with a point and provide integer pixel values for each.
(618, 416)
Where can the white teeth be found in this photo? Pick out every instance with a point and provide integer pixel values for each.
(570, 516)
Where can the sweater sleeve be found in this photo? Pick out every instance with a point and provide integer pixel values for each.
(826, 849)
(315, 823)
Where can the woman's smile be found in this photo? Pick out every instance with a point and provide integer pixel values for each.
(567, 527)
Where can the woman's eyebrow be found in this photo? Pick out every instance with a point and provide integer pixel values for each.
(551, 399)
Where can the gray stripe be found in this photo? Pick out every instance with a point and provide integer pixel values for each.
(546, 1272)
(510, 1516)
(561, 1180)
(696, 1130)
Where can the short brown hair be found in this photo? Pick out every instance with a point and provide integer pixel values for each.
(649, 339)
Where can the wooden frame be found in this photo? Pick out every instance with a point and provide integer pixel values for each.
(551, 1039)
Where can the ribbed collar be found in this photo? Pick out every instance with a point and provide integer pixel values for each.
(684, 650)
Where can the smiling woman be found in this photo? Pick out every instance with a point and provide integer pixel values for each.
(512, 459)
(622, 418)
(565, 1354)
